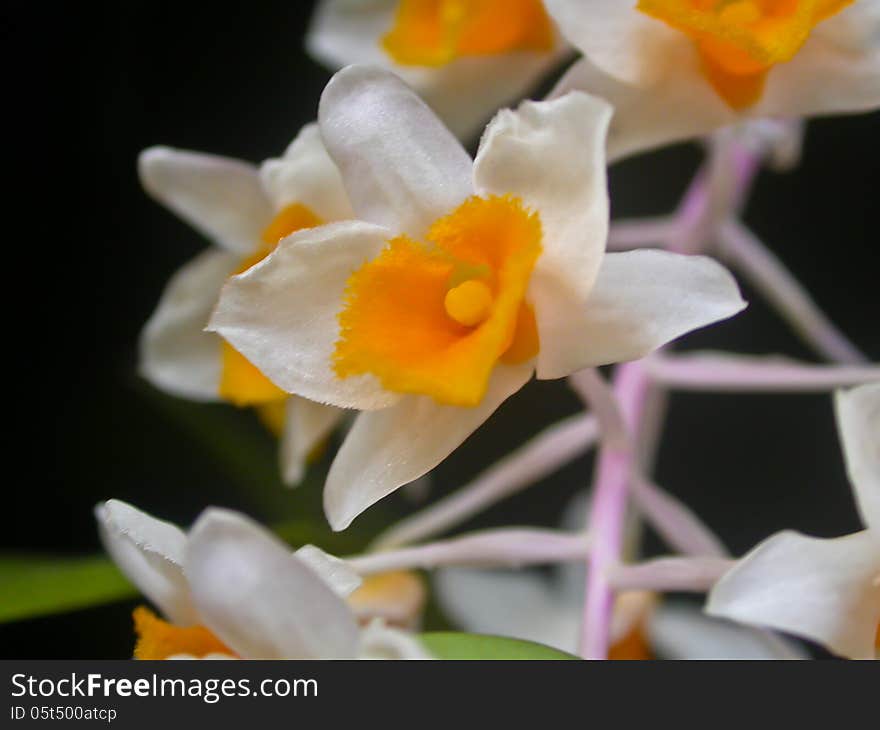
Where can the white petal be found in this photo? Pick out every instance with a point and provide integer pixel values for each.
(824, 590)
(176, 354)
(282, 313)
(401, 167)
(306, 175)
(552, 155)
(220, 197)
(679, 630)
(261, 600)
(619, 39)
(643, 300)
(858, 418)
(520, 605)
(680, 106)
(306, 425)
(335, 572)
(150, 552)
(378, 641)
(389, 448)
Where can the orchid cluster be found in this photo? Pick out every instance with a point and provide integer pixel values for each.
(376, 279)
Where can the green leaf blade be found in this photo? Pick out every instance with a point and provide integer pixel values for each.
(33, 586)
(454, 645)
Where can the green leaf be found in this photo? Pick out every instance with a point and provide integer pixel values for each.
(453, 645)
(34, 586)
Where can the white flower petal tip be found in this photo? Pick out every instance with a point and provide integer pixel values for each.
(306, 426)
(221, 197)
(827, 591)
(151, 553)
(334, 571)
(401, 167)
(645, 299)
(858, 417)
(388, 448)
(176, 354)
(551, 154)
(282, 313)
(259, 599)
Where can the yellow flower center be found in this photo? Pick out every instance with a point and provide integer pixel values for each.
(241, 382)
(397, 597)
(157, 639)
(435, 32)
(739, 41)
(434, 319)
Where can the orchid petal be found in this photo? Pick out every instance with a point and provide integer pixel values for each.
(307, 175)
(220, 197)
(306, 425)
(824, 590)
(858, 417)
(617, 38)
(645, 299)
(678, 630)
(389, 448)
(401, 167)
(176, 354)
(260, 600)
(552, 156)
(335, 572)
(282, 313)
(150, 552)
(519, 605)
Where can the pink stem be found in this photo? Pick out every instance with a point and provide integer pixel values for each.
(631, 385)
(710, 198)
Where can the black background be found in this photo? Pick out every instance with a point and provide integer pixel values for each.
(88, 85)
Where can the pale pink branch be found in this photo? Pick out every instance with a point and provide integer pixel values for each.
(697, 575)
(744, 373)
(745, 252)
(509, 548)
(547, 452)
(674, 521)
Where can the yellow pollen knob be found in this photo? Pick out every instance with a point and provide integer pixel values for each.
(469, 303)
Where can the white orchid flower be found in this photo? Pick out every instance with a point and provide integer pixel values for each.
(458, 282)
(827, 590)
(244, 211)
(467, 58)
(229, 588)
(678, 69)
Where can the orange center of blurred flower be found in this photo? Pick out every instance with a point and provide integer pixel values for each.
(739, 41)
(397, 597)
(435, 32)
(434, 319)
(157, 639)
(241, 382)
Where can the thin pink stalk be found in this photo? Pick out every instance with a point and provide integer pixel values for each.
(608, 512)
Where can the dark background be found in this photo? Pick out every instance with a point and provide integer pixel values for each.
(88, 85)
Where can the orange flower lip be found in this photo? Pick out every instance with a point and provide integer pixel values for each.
(435, 32)
(739, 41)
(435, 319)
